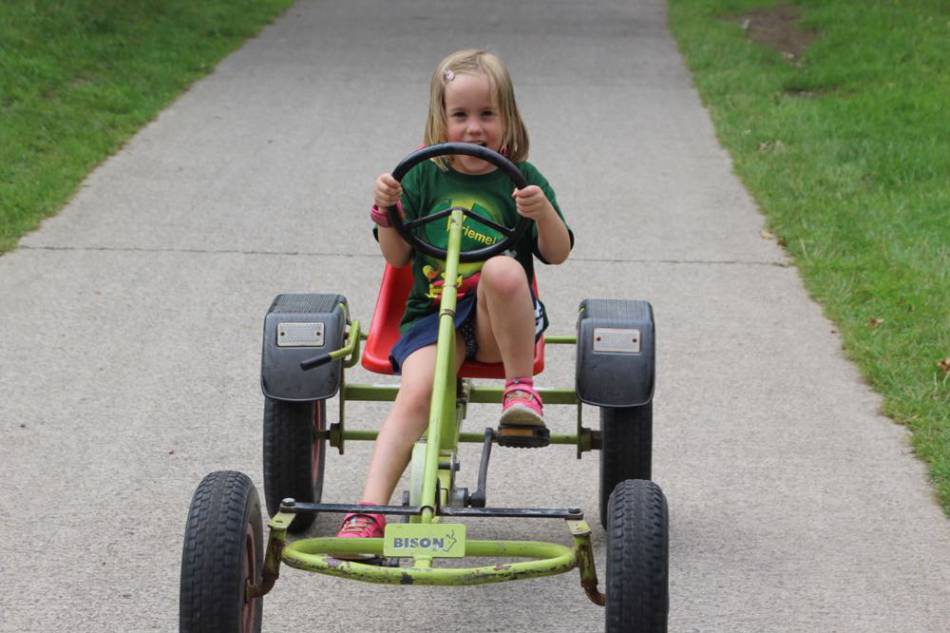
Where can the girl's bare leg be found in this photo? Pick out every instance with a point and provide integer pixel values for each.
(406, 422)
(504, 323)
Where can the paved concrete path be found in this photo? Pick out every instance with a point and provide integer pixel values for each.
(130, 334)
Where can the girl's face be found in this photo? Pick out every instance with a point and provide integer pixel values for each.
(472, 116)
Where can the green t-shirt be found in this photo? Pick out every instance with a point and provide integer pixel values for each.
(427, 189)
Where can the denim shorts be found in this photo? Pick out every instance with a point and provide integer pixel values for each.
(425, 331)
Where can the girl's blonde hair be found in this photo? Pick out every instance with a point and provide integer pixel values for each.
(514, 143)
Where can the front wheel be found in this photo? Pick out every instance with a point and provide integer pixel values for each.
(294, 457)
(637, 558)
(222, 554)
(627, 448)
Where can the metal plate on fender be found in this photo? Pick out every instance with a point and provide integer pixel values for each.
(300, 335)
(616, 340)
(438, 540)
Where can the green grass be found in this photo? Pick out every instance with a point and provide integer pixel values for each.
(79, 77)
(847, 152)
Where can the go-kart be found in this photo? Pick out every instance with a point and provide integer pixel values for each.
(309, 341)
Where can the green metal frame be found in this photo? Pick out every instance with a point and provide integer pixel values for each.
(449, 400)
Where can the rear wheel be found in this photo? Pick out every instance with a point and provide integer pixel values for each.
(222, 553)
(294, 457)
(627, 448)
(637, 559)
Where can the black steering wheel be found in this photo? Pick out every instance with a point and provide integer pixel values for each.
(406, 229)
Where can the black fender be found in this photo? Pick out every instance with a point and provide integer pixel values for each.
(616, 354)
(296, 328)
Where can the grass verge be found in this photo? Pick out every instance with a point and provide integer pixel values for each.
(78, 78)
(846, 149)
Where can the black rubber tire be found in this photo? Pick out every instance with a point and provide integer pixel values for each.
(223, 548)
(627, 448)
(637, 559)
(294, 460)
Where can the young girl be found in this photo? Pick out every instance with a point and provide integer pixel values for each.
(498, 318)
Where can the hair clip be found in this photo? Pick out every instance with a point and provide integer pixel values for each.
(449, 75)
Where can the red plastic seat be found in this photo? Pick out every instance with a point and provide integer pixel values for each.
(384, 330)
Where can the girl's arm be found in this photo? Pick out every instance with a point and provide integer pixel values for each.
(387, 192)
(554, 242)
(394, 248)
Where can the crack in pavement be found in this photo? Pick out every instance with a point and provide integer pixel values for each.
(200, 251)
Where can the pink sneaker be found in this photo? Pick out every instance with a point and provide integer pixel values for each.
(521, 405)
(362, 525)
(522, 416)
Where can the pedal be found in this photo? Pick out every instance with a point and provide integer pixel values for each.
(478, 498)
(523, 436)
